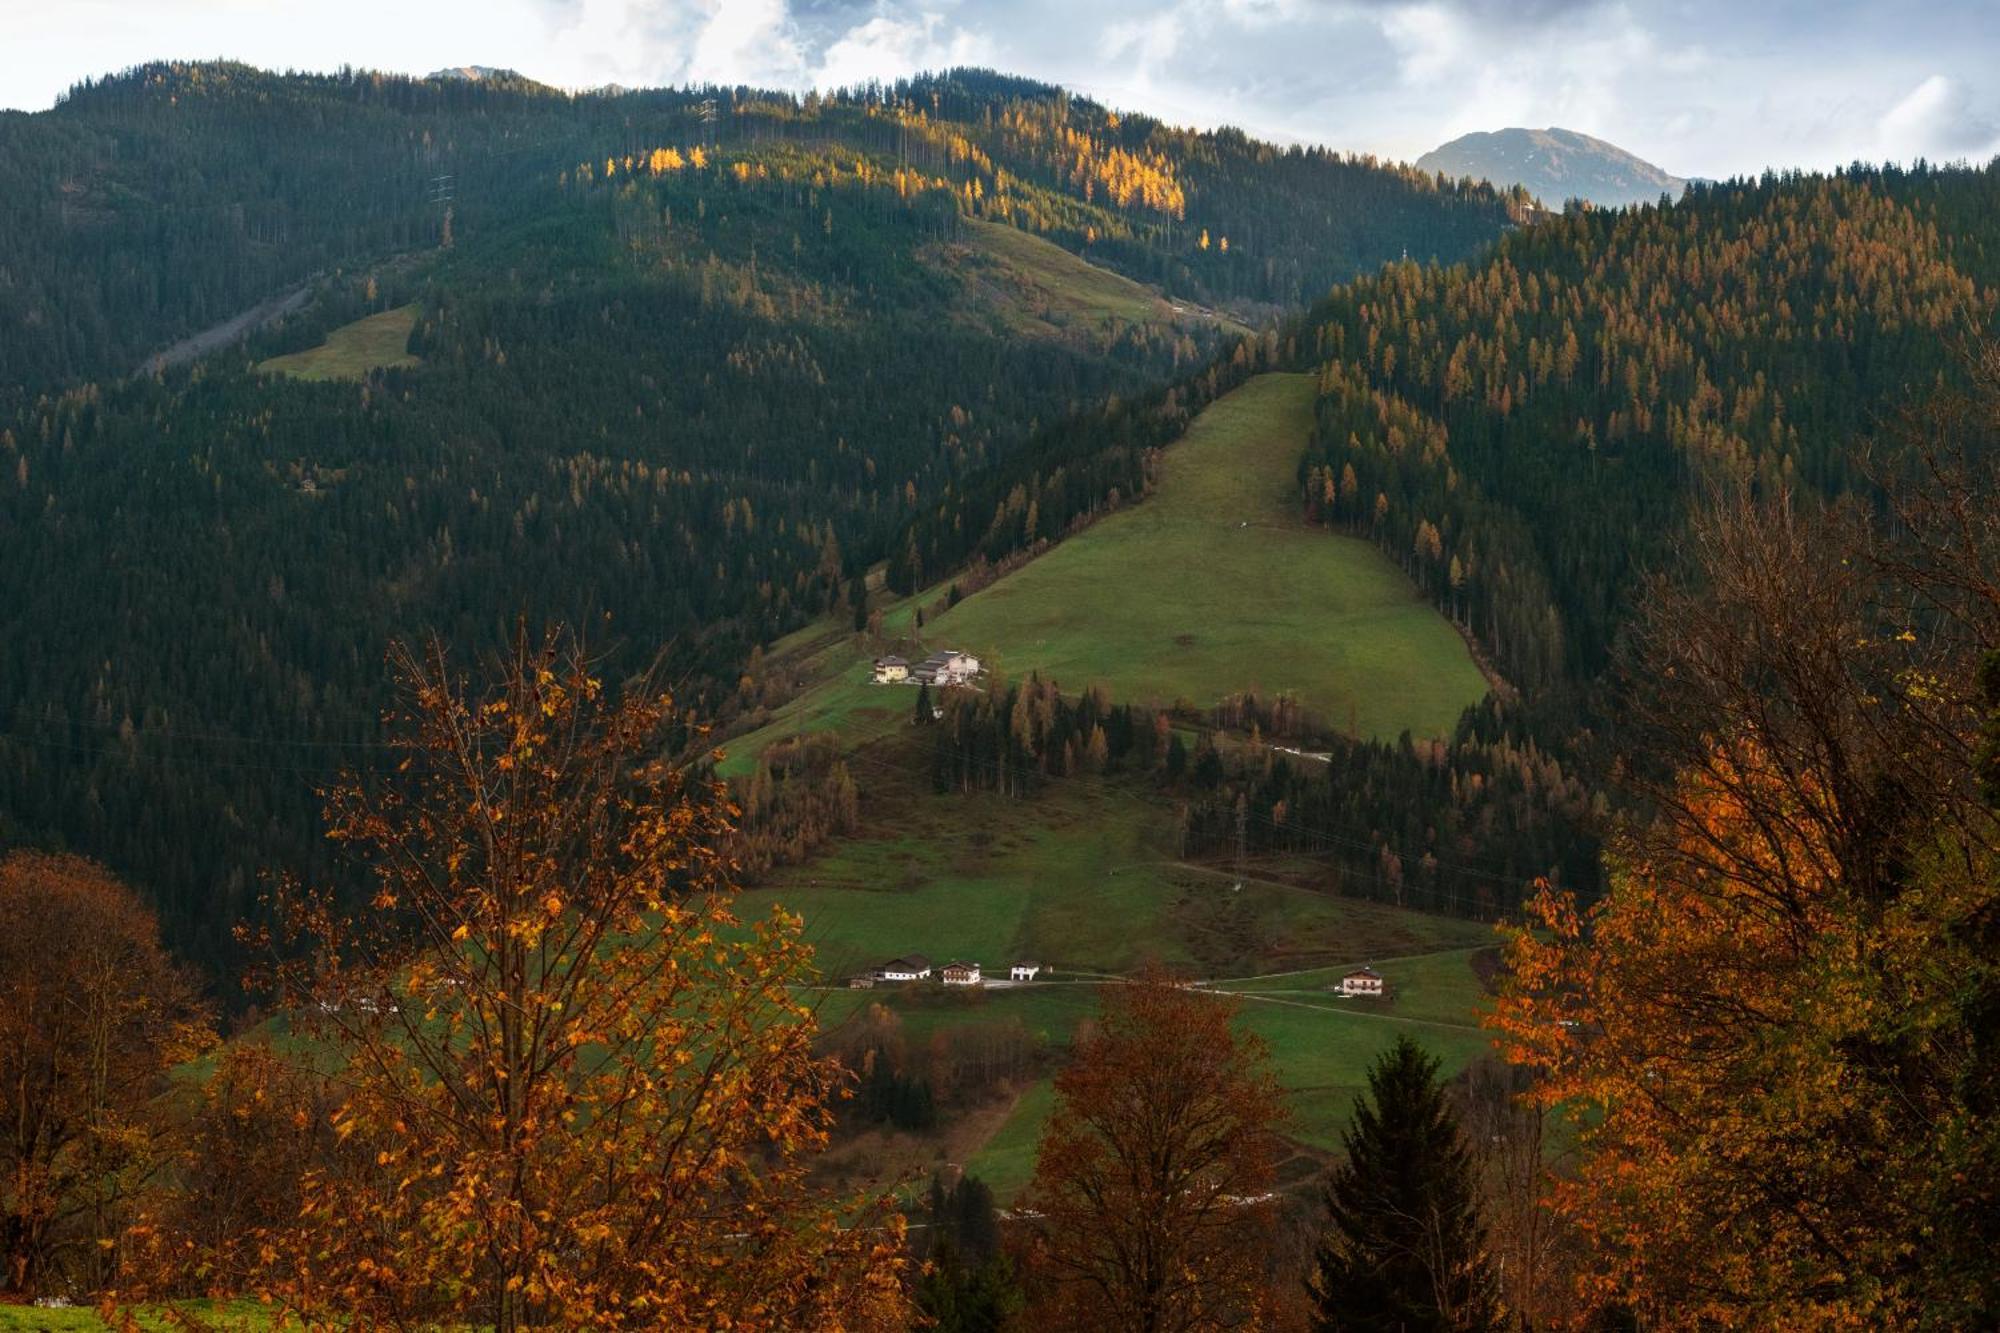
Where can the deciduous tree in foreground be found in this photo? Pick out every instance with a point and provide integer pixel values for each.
(93, 1015)
(577, 1090)
(1769, 1033)
(1150, 1187)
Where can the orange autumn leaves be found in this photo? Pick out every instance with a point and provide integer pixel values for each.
(586, 1094)
(1703, 1029)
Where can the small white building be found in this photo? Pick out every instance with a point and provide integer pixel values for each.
(961, 974)
(891, 670)
(915, 967)
(1362, 981)
(957, 665)
(1023, 971)
(947, 666)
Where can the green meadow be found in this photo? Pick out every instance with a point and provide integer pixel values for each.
(1319, 1050)
(378, 342)
(222, 1317)
(1038, 287)
(1214, 584)
(1082, 879)
(1211, 586)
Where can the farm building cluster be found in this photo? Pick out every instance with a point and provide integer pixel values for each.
(915, 967)
(947, 666)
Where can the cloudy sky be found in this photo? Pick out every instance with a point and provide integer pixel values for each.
(1700, 87)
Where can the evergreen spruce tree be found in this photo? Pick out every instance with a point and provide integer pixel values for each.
(968, 1284)
(922, 715)
(1403, 1250)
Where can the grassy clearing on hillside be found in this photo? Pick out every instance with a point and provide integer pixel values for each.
(858, 710)
(1083, 877)
(1215, 585)
(841, 696)
(1211, 586)
(1039, 288)
(378, 342)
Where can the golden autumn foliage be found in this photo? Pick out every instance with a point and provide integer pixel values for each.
(1149, 1198)
(1697, 1034)
(245, 1135)
(93, 1016)
(1761, 1034)
(576, 1090)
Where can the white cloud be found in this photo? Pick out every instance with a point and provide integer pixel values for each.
(1264, 13)
(1430, 39)
(1936, 120)
(1708, 87)
(1148, 43)
(886, 48)
(747, 41)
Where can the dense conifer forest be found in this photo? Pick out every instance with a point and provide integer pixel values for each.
(688, 363)
(473, 852)
(154, 203)
(1526, 432)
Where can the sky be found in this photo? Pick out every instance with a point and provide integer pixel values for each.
(1700, 87)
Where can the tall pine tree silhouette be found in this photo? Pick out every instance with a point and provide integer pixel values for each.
(1403, 1250)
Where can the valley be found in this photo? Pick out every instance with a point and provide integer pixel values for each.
(1085, 881)
(1212, 585)
(824, 709)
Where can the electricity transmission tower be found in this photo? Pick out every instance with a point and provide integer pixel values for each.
(441, 193)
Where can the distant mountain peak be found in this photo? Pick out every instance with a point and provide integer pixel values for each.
(1554, 164)
(473, 73)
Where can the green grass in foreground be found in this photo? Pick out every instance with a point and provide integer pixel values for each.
(244, 1315)
(378, 342)
(1215, 585)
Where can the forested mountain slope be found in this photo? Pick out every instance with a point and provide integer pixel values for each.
(1526, 435)
(678, 380)
(158, 202)
(1527, 432)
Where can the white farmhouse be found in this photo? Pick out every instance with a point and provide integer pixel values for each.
(1023, 971)
(947, 666)
(915, 967)
(961, 974)
(1362, 981)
